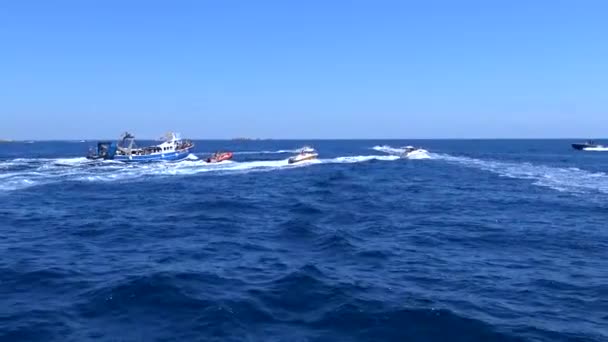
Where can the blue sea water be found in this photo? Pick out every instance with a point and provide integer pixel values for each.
(479, 240)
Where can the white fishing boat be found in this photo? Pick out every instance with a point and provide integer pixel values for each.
(172, 148)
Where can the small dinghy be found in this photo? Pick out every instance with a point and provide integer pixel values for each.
(219, 157)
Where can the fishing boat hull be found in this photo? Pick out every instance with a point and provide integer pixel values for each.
(580, 147)
(169, 156)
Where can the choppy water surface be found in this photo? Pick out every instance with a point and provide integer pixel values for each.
(474, 241)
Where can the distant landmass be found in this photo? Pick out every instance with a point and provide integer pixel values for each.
(246, 139)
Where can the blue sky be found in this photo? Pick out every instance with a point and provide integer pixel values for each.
(304, 69)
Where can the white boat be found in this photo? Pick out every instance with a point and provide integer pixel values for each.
(173, 148)
(411, 151)
(306, 153)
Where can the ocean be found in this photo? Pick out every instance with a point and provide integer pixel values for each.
(478, 240)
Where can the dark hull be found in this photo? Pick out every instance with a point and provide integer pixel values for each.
(579, 146)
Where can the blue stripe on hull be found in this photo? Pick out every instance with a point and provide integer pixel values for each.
(171, 156)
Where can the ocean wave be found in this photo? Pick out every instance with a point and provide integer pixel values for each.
(205, 305)
(405, 324)
(338, 242)
(36, 325)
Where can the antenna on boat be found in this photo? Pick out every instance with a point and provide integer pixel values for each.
(127, 135)
(172, 136)
(123, 138)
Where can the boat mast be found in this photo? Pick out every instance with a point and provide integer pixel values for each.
(130, 138)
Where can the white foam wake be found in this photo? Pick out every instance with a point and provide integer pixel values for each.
(421, 154)
(596, 149)
(269, 152)
(359, 159)
(572, 179)
(22, 173)
(388, 149)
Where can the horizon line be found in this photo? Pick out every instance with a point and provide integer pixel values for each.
(298, 139)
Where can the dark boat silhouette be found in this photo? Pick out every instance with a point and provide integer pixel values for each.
(587, 145)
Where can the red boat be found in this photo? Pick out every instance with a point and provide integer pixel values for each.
(219, 157)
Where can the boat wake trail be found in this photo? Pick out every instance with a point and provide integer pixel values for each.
(399, 151)
(596, 149)
(573, 180)
(388, 149)
(23, 173)
(269, 152)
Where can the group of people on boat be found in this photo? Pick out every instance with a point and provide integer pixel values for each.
(184, 145)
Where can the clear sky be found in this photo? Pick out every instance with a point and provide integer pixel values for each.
(304, 68)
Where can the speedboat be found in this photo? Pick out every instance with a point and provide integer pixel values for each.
(589, 146)
(172, 148)
(219, 157)
(411, 151)
(306, 153)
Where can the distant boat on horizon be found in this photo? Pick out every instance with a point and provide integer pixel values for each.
(589, 146)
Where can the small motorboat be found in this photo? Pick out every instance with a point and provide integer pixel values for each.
(306, 153)
(219, 157)
(589, 146)
(411, 151)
